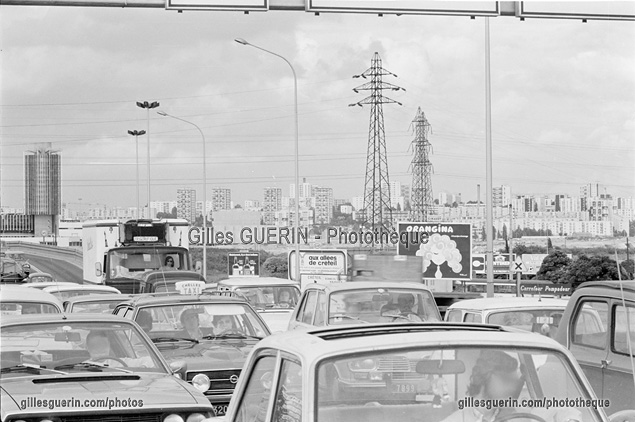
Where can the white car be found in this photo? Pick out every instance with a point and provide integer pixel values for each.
(19, 300)
(539, 315)
(63, 292)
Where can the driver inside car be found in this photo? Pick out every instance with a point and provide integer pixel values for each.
(496, 376)
(223, 324)
(98, 346)
(403, 308)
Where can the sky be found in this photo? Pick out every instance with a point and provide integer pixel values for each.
(563, 101)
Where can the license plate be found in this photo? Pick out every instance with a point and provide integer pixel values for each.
(220, 409)
(404, 388)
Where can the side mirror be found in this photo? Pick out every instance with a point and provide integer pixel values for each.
(98, 269)
(178, 368)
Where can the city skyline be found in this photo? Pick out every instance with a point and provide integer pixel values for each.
(562, 103)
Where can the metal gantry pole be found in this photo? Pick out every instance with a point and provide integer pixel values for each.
(489, 259)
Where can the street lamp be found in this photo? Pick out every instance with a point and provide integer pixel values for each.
(163, 113)
(297, 165)
(136, 134)
(148, 106)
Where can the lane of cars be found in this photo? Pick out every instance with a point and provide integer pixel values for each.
(216, 363)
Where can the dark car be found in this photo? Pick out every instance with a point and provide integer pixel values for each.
(12, 272)
(89, 368)
(170, 281)
(211, 334)
(596, 327)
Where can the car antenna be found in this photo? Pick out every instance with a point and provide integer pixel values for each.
(629, 341)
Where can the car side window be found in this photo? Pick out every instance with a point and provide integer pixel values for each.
(472, 317)
(321, 309)
(121, 311)
(454, 315)
(309, 308)
(255, 400)
(588, 326)
(623, 329)
(288, 400)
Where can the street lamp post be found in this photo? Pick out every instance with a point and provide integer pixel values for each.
(297, 165)
(148, 106)
(136, 134)
(163, 113)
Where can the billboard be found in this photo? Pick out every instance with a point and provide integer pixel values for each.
(464, 8)
(500, 263)
(243, 264)
(313, 261)
(446, 248)
(609, 10)
(236, 5)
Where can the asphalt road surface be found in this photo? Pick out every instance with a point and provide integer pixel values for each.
(61, 270)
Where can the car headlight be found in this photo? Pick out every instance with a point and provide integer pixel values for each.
(195, 417)
(201, 382)
(362, 365)
(173, 418)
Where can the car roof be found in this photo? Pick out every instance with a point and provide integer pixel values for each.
(509, 303)
(627, 286)
(10, 293)
(8, 320)
(44, 284)
(314, 344)
(39, 274)
(160, 276)
(151, 299)
(99, 298)
(68, 287)
(257, 281)
(356, 285)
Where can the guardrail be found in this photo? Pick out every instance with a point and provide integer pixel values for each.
(71, 255)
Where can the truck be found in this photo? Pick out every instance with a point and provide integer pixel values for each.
(118, 253)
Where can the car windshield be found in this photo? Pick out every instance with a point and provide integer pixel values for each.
(23, 308)
(447, 384)
(543, 321)
(40, 279)
(67, 294)
(105, 307)
(99, 346)
(382, 305)
(200, 321)
(270, 297)
(126, 264)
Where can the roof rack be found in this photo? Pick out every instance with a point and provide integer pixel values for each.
(392, 328)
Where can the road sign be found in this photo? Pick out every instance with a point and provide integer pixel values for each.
(557, 289)
(446, 248)
(243, 264)
(313, 261)
(603, 10)
(321, 278)
(532, 262)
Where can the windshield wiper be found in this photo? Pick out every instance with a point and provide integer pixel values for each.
(166, 339)
(29, 366)
(92, 364)
(233, 335)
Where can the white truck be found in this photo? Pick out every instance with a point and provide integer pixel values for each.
(118, 254)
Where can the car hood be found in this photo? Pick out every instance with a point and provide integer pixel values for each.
(154, 389)
(209, 354)
(277, 320)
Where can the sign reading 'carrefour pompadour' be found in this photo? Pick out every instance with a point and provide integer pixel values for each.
(446, 248)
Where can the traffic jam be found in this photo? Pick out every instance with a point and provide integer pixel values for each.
(265, 348)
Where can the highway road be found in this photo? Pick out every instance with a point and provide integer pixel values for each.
(61, 270)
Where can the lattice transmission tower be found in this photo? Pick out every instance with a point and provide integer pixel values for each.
(377, 213)
(421, 199)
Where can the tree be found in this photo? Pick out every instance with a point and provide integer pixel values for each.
(549, 244)
(587, 268)
(504, 232)
(276, 266)
(628, 268)
(554, 267)
(631, 228)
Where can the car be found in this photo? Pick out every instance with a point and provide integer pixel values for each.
(413, 372)
(99, 303)
(20, 258)
(168, 281)
(363, 302)
(44, 284)
(89, 367)
(274, 298)
(39, 277)
(63, 292)
(19, 300)
(187, 329)
(604, 349)
(526, 313)
(11, 272)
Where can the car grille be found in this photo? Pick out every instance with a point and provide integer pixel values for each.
(220, 381)
(399, 367)
(147, 417)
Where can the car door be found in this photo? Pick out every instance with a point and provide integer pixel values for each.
(588, 339)
(303, 319)
(617, 372)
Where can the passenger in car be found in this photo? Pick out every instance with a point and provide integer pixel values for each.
(189, 321)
